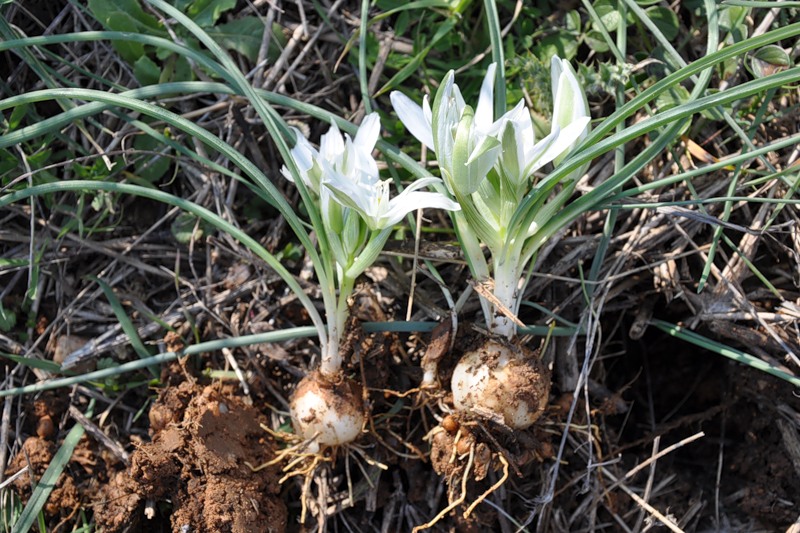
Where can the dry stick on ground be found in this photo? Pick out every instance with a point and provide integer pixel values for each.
(308, 46)
(736, 269)
(114, 447)
(672, 526)
(638, 235)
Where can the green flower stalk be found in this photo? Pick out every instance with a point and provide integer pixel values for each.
(340, 183)
(488, 165)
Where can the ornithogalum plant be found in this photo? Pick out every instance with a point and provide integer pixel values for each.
(353, 217)
(489, 165)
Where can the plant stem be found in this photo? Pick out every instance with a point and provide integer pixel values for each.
(331, 362)
(506, 290)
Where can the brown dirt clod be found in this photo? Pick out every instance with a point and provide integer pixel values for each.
(196, 460)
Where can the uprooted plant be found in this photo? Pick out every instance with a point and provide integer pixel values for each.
(353, 222)
(489, 167)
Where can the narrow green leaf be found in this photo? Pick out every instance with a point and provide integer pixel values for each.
(125, 321)
(8, 319)
(761, 3)
(132, 366)
(50, 477)
(724, 350)
(32, 362)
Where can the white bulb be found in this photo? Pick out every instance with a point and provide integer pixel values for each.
(503, 379)
(328, 411)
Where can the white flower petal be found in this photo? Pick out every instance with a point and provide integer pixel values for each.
(556, 68)
(416, 119)
(350, 193)
(420, 183)
(484, 113)
(427, 113)
(560, 141)
(408, 201)
(368, 132)
(331, 144)
(303, 153)
(569, 100)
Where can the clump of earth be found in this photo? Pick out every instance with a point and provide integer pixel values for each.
(195, 473)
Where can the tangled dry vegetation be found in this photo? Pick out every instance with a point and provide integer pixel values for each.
(641, 430)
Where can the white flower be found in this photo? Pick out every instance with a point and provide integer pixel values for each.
(522, 156)
(519, 153)
(371, 199)
(336, 154)
(439, 127)
(344, 170)
(570, 108)
(305, 159)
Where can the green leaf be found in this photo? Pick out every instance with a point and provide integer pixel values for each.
(412, 66)
(244, 36)
(560, 43)
(17, 115)
(124, 321)
(769, 60)
(125, 15)
(671, 98)
(665, 20)
(732, 22)
(185, 228)
(594, 40)
(146, 71)
(206, 12)
(608, 13)
(572, 21)
(32, 362)
(149, 166)
(724, 350)
(7, 162)
(50, 477)
(8, 319)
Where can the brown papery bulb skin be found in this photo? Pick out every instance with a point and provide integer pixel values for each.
(505, 379)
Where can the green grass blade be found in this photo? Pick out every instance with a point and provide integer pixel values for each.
(737, 355)
(277, 129)
(670, 117)
(591, 147)
(362, 56)
(91, 36)
(761, 3)
(713, 167)
(498, 56)
(50, 477)
(32, 362)
(195, 349)
(123, 318)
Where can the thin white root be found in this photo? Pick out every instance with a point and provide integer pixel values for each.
(493, 488)
(456, 502)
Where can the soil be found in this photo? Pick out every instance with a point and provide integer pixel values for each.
(194, 474)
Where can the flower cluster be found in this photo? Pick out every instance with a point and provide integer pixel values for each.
(356, 211)
(353, 199)
(488, 164)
